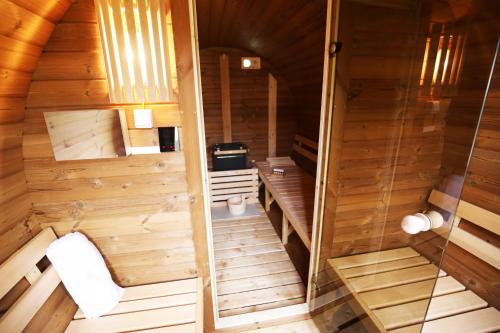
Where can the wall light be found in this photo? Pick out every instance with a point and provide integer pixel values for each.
(135, 44)
(250, 63)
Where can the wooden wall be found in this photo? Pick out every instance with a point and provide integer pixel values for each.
(249, 104)
(288, 34)
(481, 188)
(135, 209)
(383, 163)
(24, 29)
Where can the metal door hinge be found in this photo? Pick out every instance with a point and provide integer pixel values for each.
(335, 48)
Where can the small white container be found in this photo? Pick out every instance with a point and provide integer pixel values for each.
(237, 205)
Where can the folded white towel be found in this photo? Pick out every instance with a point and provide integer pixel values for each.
(84, 274)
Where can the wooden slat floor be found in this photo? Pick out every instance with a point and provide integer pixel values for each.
(394, 287)
(254, 272)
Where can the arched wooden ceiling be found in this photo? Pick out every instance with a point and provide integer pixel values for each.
(25, 27)
(289, 34)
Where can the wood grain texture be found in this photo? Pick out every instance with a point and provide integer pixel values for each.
(253, 270)
(290, 36)
(124, 205)
(25, 27)
(249, 104)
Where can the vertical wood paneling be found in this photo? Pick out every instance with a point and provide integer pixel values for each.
(288, 34)
(134, 209)
(249, 104)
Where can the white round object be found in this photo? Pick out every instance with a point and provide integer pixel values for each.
(436, 218)
(237, 205)
(413, 224)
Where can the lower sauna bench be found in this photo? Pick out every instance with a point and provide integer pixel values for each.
(169, 307)
(394, 286)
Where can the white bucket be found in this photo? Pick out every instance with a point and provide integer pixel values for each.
(237, 205)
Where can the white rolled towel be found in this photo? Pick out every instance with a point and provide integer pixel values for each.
(84, 274)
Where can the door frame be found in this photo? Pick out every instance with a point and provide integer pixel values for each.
(288, 313)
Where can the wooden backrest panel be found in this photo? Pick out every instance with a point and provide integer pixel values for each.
(479, 216)
(22, 261)
(305, 147)
(25, 308)
(474, 214)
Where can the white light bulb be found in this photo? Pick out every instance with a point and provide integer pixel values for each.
(247, 63)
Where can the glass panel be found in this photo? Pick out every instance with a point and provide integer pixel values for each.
(410, 82)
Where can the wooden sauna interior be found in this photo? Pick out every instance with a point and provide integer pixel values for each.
(378, 136)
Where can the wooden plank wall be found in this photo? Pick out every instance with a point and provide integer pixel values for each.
(464, 112)
(135, 209)
(482, 179)
(249, 104)
(288, 34)
(25, 28)
(482, 188)
(386, 162)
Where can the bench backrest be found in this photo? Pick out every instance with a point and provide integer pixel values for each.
(231, 183)
(305, 147)
(474, 214)
(23, 264)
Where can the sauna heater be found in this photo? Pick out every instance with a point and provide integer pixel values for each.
(229, 156)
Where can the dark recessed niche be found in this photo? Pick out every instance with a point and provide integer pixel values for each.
(169, 139)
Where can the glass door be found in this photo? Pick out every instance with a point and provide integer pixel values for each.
(403, 90)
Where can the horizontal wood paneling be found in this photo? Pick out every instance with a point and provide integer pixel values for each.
(249, 104)
(482, 188)
(25, 27)
(135, 209)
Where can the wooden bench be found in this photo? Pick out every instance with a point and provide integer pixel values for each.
(167, 307)
(293, 192)
(393, 287)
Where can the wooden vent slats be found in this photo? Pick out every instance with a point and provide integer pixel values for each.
(231, 183)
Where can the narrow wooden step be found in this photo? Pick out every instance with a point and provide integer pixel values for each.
(405, 293)
(136, 320)
(260, 282)
(485, 320)
(251, 260)
(374, 257)
(394, 278)
(408, 329)
(248, 251)
(241, 243)
(262, 307)
(439, 307)
(147, 304)
(261, 296)
(384, 266)
(255, 270)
